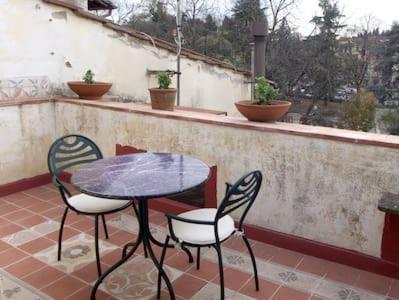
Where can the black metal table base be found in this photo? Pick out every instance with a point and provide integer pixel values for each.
(146, 238)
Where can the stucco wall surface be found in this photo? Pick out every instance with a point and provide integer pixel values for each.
(43, 40)
(26, 132)
(322, 190)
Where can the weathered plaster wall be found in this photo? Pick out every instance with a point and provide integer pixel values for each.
(42, 40)
(26, 132)
(322, 190)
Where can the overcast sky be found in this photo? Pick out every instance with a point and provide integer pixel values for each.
(386, 11)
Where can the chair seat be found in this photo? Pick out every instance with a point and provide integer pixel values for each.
(202, 234)
(90, 204)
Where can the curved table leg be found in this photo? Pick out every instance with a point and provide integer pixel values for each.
(115, 266)
(147, 244)
(145, 238)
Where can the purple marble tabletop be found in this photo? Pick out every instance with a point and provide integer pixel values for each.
(141, 175)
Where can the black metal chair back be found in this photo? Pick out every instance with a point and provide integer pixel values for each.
(69, 151)
(242, 193)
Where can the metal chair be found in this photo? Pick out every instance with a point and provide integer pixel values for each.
(71, 151)
(209, 227)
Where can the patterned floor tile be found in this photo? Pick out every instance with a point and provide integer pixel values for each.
(212, 292)
(136, 279)
(77, 252)
(14, 288)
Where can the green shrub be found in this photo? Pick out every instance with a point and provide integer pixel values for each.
(264, 92)
(89, 77)
(390, 121)
(164, 80)
(359, 112)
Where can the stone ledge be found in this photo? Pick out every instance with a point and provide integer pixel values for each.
(348, 136)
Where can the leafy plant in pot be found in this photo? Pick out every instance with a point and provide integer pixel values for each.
(88, 88)
(163, 97)
(264, 108)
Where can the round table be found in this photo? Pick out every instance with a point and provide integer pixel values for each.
(140, 177)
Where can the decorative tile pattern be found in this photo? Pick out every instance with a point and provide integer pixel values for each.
(136, 279)
(77, 252)
(212, 292)
(27, 235)
(13, 288)
(24, 87)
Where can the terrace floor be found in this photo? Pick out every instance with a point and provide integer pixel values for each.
(29, 223)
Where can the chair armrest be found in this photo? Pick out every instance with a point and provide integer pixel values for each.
(191, 221)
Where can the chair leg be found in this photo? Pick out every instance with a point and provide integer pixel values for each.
(61, 231)
(165, 247)
(198, 257)
(105, 227)
(253, 261)
(219, 252)
(96, 246)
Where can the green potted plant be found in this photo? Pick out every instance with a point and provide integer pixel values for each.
(264, 108)
(88, 88)
(163, 97)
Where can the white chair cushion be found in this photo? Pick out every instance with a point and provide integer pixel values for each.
(91, 204)
(202, 234)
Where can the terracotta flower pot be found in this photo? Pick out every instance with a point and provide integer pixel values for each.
(93, 91)
(263, 113)
(163, 99)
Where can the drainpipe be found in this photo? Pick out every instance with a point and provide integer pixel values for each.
(259, 32)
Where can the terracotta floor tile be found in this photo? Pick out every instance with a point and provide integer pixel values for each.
(67, 233)
(235, 243)
(287, 258)
(63, 287)
(18, 215)
(4, 246)
(9, 229)
(3, 222)
(8, 208)
(41, 207)
(187, 286)
(208, 270)
(31, 221)
(373, 282)
(341, 273)
(25, 267)
(85, 292)
(10, 256)
(313, 265)
(36, 191)
(54, 213)
(84, 225)
(266, 289)
(264, 251)
(158, 218)
(88, 273)
(179, 261)
(394, 291)
(112, 257)
(26, 201)
(234, 279)
(36, 245)
(14, 198)
(43, 277)
(49, 195)
(121, 237)
(285, 293)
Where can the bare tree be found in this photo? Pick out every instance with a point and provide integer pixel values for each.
(279, 10)
(359, 50)
(126, 10)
